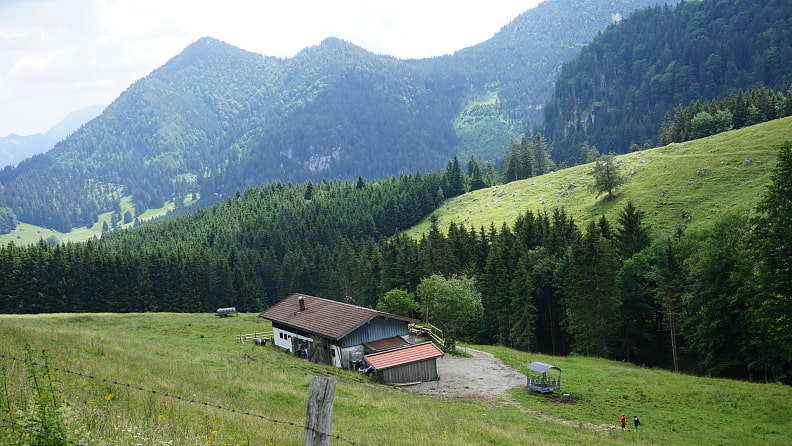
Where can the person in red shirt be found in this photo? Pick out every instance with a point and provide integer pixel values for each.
(624, 421)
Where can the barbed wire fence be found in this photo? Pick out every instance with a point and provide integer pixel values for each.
(308, 430)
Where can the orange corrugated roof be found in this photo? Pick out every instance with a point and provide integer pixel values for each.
(403, 355)
(324, 317)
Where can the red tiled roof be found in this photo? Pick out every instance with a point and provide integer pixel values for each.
(385, 344)
(324, 317)
(403, 355)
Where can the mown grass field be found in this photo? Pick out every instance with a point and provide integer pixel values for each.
(196, 357)
(685, 184)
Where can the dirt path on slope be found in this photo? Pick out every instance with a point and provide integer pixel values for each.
(486, 378)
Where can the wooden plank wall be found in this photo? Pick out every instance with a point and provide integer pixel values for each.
(417, 371)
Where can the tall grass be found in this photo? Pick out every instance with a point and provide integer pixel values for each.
(196, 357)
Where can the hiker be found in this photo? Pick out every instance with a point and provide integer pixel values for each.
(636, 422)
(624, 421)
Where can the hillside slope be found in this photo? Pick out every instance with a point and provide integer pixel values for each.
(255, 395)
(684, 184)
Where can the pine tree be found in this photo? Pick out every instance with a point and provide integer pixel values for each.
(632, 236)
(522, 310)
(542, 163)
(474, 172)
(588, 153)
(667, 275)
(454, 179)
(771, 305)
(592, 303)
(715, 325)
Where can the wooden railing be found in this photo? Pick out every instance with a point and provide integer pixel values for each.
(431, 332)
(267, 335)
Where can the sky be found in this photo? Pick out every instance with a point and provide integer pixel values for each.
(57, 56)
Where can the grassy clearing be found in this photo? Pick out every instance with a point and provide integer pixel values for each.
(195, 356)
(684, 184)
(27, 234)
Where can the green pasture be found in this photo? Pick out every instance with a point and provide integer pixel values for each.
(684, 184)
(130, 368)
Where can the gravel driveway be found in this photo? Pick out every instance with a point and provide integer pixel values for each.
(486, 378)
(481, 376)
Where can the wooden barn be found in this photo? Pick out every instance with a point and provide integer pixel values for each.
(407, 364)
(335, 333)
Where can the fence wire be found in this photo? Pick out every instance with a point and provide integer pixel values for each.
(165, 394)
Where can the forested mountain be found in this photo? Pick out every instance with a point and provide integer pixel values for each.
(617, 90)
(216, 119)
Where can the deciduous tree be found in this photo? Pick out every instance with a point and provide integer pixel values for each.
(398, 302)
(607, 176)
(450, 304)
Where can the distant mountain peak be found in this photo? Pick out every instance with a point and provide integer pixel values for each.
(207, 42)
(73, 121)
(14, 148)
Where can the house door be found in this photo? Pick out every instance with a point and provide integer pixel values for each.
(321, 351)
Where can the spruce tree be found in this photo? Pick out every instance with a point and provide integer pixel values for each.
(772, 304)
(592, 303)
(632, 236)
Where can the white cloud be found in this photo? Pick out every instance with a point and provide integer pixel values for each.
(57, 56)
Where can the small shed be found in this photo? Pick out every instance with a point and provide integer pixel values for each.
(406, 364)
(543, 378)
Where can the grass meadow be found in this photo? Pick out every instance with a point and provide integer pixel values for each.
(683, 184)
(26, 234)
(143, 379)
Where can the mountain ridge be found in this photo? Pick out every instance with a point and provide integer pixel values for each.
(14, 148)
(333, 111)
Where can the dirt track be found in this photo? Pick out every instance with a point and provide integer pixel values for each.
(481, 376)
(486, 378)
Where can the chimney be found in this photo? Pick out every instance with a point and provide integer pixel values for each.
(301, 301)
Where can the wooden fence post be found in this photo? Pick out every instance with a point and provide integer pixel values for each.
(320, 411)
